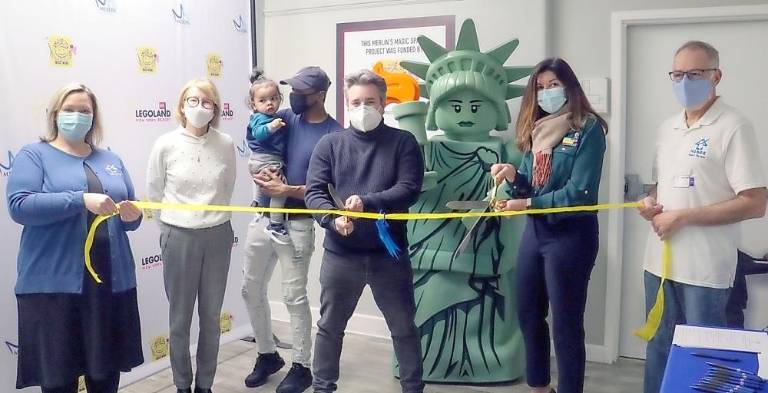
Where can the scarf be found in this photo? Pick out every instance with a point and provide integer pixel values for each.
(547, 133)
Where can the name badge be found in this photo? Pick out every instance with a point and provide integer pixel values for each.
(683, 182)
(571, 141)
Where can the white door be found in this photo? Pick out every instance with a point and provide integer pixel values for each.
(743, 50)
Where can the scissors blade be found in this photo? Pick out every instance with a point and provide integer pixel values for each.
(466, 205)
(335, 196)
(467, 239)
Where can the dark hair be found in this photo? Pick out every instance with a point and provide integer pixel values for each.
(258, 79)
(576, 101)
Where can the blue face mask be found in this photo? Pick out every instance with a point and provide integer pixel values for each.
(551, 100)
(692, 93)
(73, 126)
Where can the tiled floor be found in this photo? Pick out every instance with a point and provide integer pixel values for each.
(365, 368)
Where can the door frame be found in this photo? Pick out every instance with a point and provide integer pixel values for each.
(621, 21)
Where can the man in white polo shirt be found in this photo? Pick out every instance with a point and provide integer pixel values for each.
(708, 179)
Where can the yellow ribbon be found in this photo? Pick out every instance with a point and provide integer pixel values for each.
(657, 311)
(647, 332)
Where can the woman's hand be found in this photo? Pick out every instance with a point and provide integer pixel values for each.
(271, 182)
(128, 211)
(99, 204)
(501, 172)
(511, 205)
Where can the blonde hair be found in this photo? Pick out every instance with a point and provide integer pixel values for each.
(94, 136)
(209, 89)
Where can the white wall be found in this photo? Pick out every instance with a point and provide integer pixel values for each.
(105, 59)
(308, 28)
(577, 30)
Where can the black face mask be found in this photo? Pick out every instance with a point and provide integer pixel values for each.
(299, 103)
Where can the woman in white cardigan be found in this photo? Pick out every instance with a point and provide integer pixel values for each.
(194, 164)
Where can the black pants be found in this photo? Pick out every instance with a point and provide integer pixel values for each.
(554, 264)
(108, 385)
(342, 279)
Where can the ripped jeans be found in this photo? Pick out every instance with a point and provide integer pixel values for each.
(261, 256)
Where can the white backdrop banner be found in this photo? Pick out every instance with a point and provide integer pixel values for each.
(136, 56)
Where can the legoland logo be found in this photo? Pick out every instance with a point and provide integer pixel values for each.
(106, 5)
(162, 113)
(239, 23)
(151, 262)
(160, 347)
(226, 112)
(62, 51)
(180, 14)
(6, 166)
(225, 322)
(214, 65)
(147, 58)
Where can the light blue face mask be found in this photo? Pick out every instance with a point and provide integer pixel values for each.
(551, 100)
(74, 126)
(692, 93)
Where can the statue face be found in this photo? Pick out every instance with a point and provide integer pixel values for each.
(466, 115)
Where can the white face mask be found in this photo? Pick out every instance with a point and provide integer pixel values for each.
(364, 117)
(198, 116)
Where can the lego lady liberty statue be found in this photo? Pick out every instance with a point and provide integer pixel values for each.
(466, 309)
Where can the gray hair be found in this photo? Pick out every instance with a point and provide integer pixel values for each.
(366, 77)
(711, 52)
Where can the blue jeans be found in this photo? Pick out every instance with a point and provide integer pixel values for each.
(683, 304)
(554, 263)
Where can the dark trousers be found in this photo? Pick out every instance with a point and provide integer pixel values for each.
(107, 385)
(554, 264)
(342, 279)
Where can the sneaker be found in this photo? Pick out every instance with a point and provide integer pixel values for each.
(266, 365)
(298, 379)
(198, 390)
(277, 233)
(187, 390)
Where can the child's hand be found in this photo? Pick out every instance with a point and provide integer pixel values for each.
(276, 124)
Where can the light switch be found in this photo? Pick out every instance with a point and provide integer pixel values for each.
(596, 90)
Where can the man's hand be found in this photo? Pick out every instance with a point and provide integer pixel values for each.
(128, 211)
(343, 225)
(650, 208)
(271, 182)
(354, 204)
(501, 172)
(667, 223)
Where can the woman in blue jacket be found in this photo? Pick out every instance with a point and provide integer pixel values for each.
(69, 325)
(564, 141)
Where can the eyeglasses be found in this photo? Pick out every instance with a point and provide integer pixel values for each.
(195, 101)
(693, 75)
